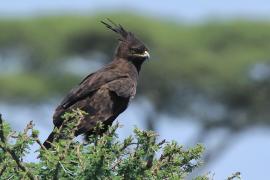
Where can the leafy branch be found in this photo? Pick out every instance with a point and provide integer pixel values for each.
(140, 156)
(6, 148)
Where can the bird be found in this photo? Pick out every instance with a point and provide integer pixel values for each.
(106, 93)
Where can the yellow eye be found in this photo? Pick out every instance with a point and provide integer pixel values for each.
(133, 50)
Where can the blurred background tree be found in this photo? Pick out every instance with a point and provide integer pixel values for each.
(215, 73)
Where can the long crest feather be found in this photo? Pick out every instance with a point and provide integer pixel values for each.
(117, 28)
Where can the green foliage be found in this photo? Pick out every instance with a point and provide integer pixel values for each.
(103, 157)
(210, 56)
(211, 60)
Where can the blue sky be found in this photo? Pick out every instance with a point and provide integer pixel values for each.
(186, 10)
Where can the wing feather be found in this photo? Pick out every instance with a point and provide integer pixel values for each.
(89, 85)
(124, 87)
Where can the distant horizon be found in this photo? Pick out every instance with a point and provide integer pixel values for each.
(191, 11)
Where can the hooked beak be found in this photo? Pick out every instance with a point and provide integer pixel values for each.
(146, 55)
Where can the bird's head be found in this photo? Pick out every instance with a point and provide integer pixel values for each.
(129, 47)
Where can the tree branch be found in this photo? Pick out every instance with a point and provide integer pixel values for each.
(3, 170)
(12, 153)
(18, 162)
(2, 130)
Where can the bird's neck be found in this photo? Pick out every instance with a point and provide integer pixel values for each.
(137, 64)
(131, 67)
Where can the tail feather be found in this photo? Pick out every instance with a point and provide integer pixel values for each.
(49, 140)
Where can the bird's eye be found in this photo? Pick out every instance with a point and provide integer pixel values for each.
(137, 50)
(133, 50)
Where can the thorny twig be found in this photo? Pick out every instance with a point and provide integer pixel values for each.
(2, 130)
(18, 162)
(63, 154)
(40, 144)
(28, 127)
(66, 170)
(116, 163)
(3, 170)
(55, 176)
(79, 156)
(12, 153)
(12, 135)
(234, 175)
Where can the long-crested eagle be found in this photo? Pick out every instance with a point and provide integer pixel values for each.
(106, 93)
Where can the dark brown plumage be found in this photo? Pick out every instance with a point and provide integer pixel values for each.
(105, 93)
